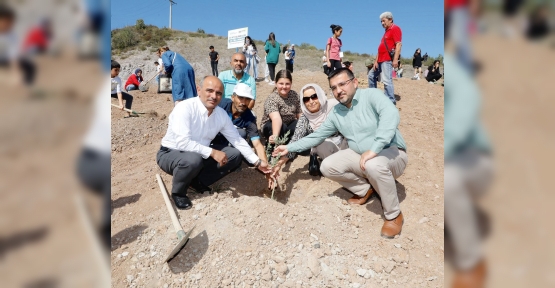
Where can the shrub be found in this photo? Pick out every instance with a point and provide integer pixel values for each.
(140, 24)
(200, 31)
(124, 38)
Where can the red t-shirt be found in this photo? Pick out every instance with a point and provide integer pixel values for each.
(133, 79)
(36, 38)
(450, 4)
(392, 36)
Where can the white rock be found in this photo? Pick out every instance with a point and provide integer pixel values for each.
(314, 236)
(397, 245)
(356, 285)
(130, 278)
(195, 217)
(198, 276)
(152, 254)
(361, 272)
(431, 278)
(437, 186)
(124, 254)
(423, 220)
(369, 274)
(280, 214)
(313, 265)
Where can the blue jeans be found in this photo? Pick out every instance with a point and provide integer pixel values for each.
(460, 17)
(387, 68)
(131, 87)
(158, 78)
(251, 61)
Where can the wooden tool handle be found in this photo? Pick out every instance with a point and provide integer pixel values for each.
(175, 222)
(128, 110)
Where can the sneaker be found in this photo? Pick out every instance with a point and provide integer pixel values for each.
(272, 83)
(266, 79)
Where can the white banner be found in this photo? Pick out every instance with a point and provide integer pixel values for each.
(236, 38)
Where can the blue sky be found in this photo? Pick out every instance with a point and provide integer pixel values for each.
(297, 21)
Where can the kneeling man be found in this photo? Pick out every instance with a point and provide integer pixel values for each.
(377, 152)
(186, 153)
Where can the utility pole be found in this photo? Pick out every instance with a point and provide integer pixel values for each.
(171, 4)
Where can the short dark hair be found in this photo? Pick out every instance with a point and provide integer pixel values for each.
(6, 12)
(211, 47)
(156, 63)
(348, 64)
(115, 64)
(339, 71)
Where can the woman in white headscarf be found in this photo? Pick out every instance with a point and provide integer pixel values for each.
(315, 107)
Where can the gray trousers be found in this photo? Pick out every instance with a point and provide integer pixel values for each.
(466, 176)
(381, 172)
(186, 166)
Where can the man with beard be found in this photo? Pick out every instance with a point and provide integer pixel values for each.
(377, 152)
(185, 152)
(237, 74)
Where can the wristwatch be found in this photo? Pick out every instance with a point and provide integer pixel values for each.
(257, 163)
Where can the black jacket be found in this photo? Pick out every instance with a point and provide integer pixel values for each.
(417, 60)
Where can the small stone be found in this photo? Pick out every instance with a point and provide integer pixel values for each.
(300, 247)
(356, 285)
(423, 220)
(316, 245)
(124, 254)
(243, 272)
(427, 255)
(278, 259)
(152, 254)
(361, 272)
(409, 237)
(397, 245)
(431, 278)
(437, 186)
(195, 217)
(313, 265)
(198, 276)
(282, 268)
(314, 236)
(130, 278)
(280, 215)
(234, 200)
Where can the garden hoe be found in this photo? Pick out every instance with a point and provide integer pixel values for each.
(182, 237)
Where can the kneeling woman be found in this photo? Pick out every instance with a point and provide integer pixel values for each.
(282, 109)
(315, 109)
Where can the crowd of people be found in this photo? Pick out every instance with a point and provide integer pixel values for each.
(353, 137)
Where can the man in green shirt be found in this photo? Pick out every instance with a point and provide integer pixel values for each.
(377, 152)
(236, 75)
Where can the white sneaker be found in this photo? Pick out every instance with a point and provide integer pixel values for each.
(266, 79)
(272, 83)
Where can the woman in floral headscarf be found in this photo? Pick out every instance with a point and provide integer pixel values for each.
(134, 80)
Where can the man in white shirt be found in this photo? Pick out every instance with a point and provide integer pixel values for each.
(186, 153)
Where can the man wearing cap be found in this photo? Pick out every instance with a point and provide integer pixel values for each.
(237, 74)
(243, 119)
(185, 152)
(389, 51)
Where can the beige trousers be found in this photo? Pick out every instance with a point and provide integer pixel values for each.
(328, 147)
(381, 172)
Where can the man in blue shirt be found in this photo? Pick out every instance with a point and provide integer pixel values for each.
(237, 74)
(292, 57)
(243, 118)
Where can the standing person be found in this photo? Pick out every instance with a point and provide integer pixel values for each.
(417, 63)
(182, 74)
(325, 64)
(291, 58)
(333, 48)
(116, 88)
(237, 75)
(250, 51)
(185, 153)
(433, 72)
(282, 109)
(214, 57)
(134, 80)
(349, 65)
(158, 70)
(273, 48)
(388, 56)
(377, 152)
(399, 70)
(266, 69)
(287, 56)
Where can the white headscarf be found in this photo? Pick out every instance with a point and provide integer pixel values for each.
(326, 105)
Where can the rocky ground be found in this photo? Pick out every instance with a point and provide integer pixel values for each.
(308, 237)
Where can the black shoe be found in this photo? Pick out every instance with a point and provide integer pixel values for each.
(182, 202)
(198, 187)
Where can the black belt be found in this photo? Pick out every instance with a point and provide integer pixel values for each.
(402, 149)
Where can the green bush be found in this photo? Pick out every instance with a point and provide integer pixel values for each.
(124, 38)
(307, 46)
(200, 31)
(140, 24)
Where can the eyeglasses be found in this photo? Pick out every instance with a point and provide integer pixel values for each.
(340, 85)
(313, 97)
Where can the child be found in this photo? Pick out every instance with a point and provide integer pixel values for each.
(134, 80)
(116, 88)
(158, 70)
